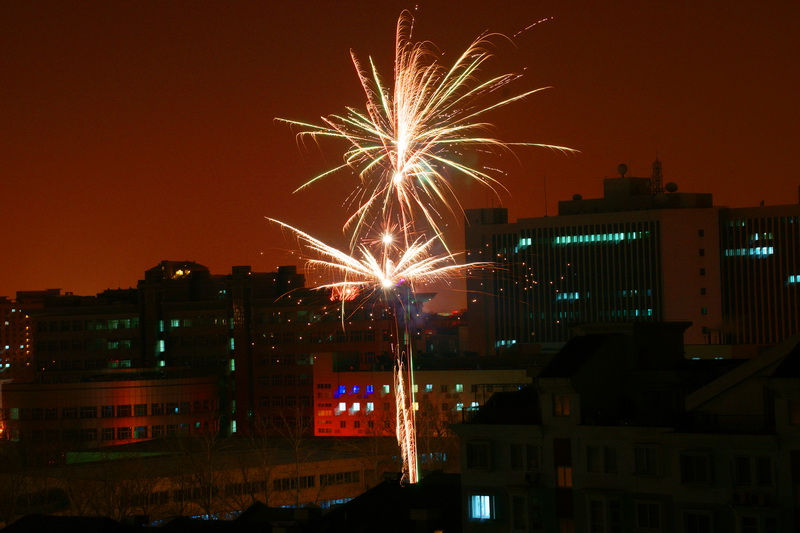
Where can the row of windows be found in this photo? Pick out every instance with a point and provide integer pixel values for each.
(293, 483)
(43, 346)
(111, 411)
(339, 478)
(696, 468)
(291, 337)
(605, 515)
(307, 317)
(109, 433)
(87, 325)
(458, 388)
(87, 364)
(242, 489)
(284, 401)
(197, 322)
(289, 380)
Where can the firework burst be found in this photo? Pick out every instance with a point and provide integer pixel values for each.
(409, 139)
(405, 146)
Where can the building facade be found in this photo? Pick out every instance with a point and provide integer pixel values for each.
(760, 273)
(640, 253)
(621, 433)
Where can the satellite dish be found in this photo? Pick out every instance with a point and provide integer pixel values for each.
(671, 186)
(577, 197)
(622, 169)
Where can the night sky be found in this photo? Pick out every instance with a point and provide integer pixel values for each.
(133, 132)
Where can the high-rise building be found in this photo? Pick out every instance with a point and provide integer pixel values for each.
(760, 260)
(640, 253)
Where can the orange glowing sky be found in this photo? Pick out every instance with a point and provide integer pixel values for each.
(133, 132)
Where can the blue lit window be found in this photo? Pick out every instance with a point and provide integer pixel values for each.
(481, 507)
(342, 389)
(356, 389)
(370, 389)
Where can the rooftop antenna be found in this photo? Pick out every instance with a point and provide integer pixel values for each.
(622, 169)
(657, 179)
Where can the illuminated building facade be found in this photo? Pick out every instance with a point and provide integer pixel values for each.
(761, 273)
(255, 332)
(16, 331)
(109, 410)
(15, 347)
(637, 254)
(356, 403)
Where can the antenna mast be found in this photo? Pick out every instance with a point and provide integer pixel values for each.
(657, 179)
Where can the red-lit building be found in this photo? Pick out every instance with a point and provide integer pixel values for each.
(117, 409)
(255, 333)
(361, 402)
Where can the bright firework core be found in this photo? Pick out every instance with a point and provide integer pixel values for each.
(404, 147)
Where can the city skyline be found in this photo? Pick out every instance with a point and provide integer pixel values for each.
(140, 134)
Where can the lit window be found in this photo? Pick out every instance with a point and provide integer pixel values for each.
(356, 389)
(370, 389)
(386, 389)
(428, 387)
(459, 387)
(561, 405)
(564, 476)
(370, 407)
(342, 390)
(356, 407)
(481, 507)
(342, 407)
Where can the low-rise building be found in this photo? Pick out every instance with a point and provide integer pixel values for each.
(622, 433)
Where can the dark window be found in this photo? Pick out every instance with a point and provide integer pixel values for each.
(695, 468)
(696, 522)
(648, 516)
(478, 455)
(645, 460)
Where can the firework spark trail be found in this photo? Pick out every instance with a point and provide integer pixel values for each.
(367, 271)
(406, 146)
(406, 436)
